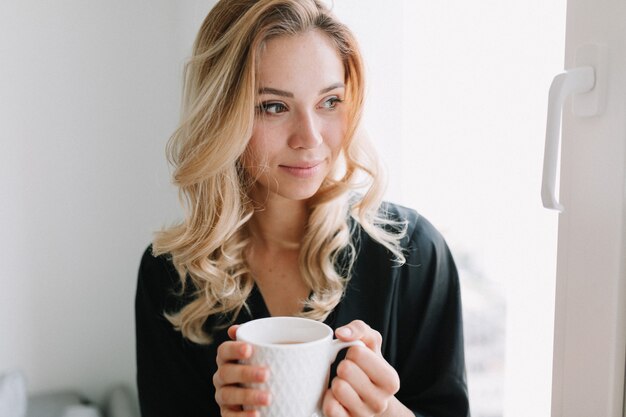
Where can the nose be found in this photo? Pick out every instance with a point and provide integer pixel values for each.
(306, 133)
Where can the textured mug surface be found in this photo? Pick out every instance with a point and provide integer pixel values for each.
(298, 353)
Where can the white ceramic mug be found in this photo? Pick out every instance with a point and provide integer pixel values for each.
(298, 353)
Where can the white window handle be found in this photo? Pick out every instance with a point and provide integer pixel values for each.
(576, 80)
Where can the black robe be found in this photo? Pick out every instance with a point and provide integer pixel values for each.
(416, 307)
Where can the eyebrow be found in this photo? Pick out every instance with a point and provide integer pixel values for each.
(282, 93)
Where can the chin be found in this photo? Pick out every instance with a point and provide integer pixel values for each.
(299, 191)
(298, 195)
(290, 188)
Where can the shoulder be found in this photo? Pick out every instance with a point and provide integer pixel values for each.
(158, 279)
(425, 250)
(420, 233)
(429, 276)
(429, 263)
(426, 280)
(156, 266)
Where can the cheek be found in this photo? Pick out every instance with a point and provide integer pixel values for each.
(264, 142)
(336, 139)
(256, 150)
(250, 159)
(260, 155)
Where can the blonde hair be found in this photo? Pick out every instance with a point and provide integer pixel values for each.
(207, 248)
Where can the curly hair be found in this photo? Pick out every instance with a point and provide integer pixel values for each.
(208, 246)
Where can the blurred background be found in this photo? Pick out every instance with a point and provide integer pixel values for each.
(90, 93)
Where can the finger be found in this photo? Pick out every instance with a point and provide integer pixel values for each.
(232, 331)
(239, 413)
(233, 395)
(231, 373)
(331, 407)
(375, 398)
(359, 330)
(375, 367)
(345, 394)
(233, 351)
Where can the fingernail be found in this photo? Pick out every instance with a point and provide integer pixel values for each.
(264, 398)
(246, 350)
(344, 331)
(261, 375)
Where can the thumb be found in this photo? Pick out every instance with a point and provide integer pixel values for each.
(232, 331)
(345, 333)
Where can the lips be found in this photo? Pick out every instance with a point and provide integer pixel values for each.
(302, 169)
(302, 165)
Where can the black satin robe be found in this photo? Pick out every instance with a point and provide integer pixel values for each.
(416, 307)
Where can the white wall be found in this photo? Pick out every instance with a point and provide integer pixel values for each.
(89, 94)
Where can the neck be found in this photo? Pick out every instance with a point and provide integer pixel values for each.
(280, 224)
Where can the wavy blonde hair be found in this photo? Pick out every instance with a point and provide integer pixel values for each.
(208, 247)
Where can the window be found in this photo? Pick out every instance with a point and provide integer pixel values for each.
(457, 105)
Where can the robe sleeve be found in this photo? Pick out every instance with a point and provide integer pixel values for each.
(173, 374)
(429, 330)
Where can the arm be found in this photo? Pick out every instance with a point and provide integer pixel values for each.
(417, 309)
(173, 374)
(176, 377)
(430, 347)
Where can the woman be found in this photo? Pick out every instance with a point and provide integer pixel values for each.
(268, 157)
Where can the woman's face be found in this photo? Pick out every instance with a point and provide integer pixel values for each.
(301, 119)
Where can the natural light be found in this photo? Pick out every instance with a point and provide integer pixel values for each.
(457, 107)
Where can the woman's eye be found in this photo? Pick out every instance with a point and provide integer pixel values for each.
(331, 102)
(271, 108)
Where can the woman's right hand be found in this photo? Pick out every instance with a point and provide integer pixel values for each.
(230, 394)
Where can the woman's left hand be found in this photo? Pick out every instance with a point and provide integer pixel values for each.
(365, 383)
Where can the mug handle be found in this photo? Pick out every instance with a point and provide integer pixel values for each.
(337, 345)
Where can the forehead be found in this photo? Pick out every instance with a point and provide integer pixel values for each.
(292, 62)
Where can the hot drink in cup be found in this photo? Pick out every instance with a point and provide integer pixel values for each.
(298, 353)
